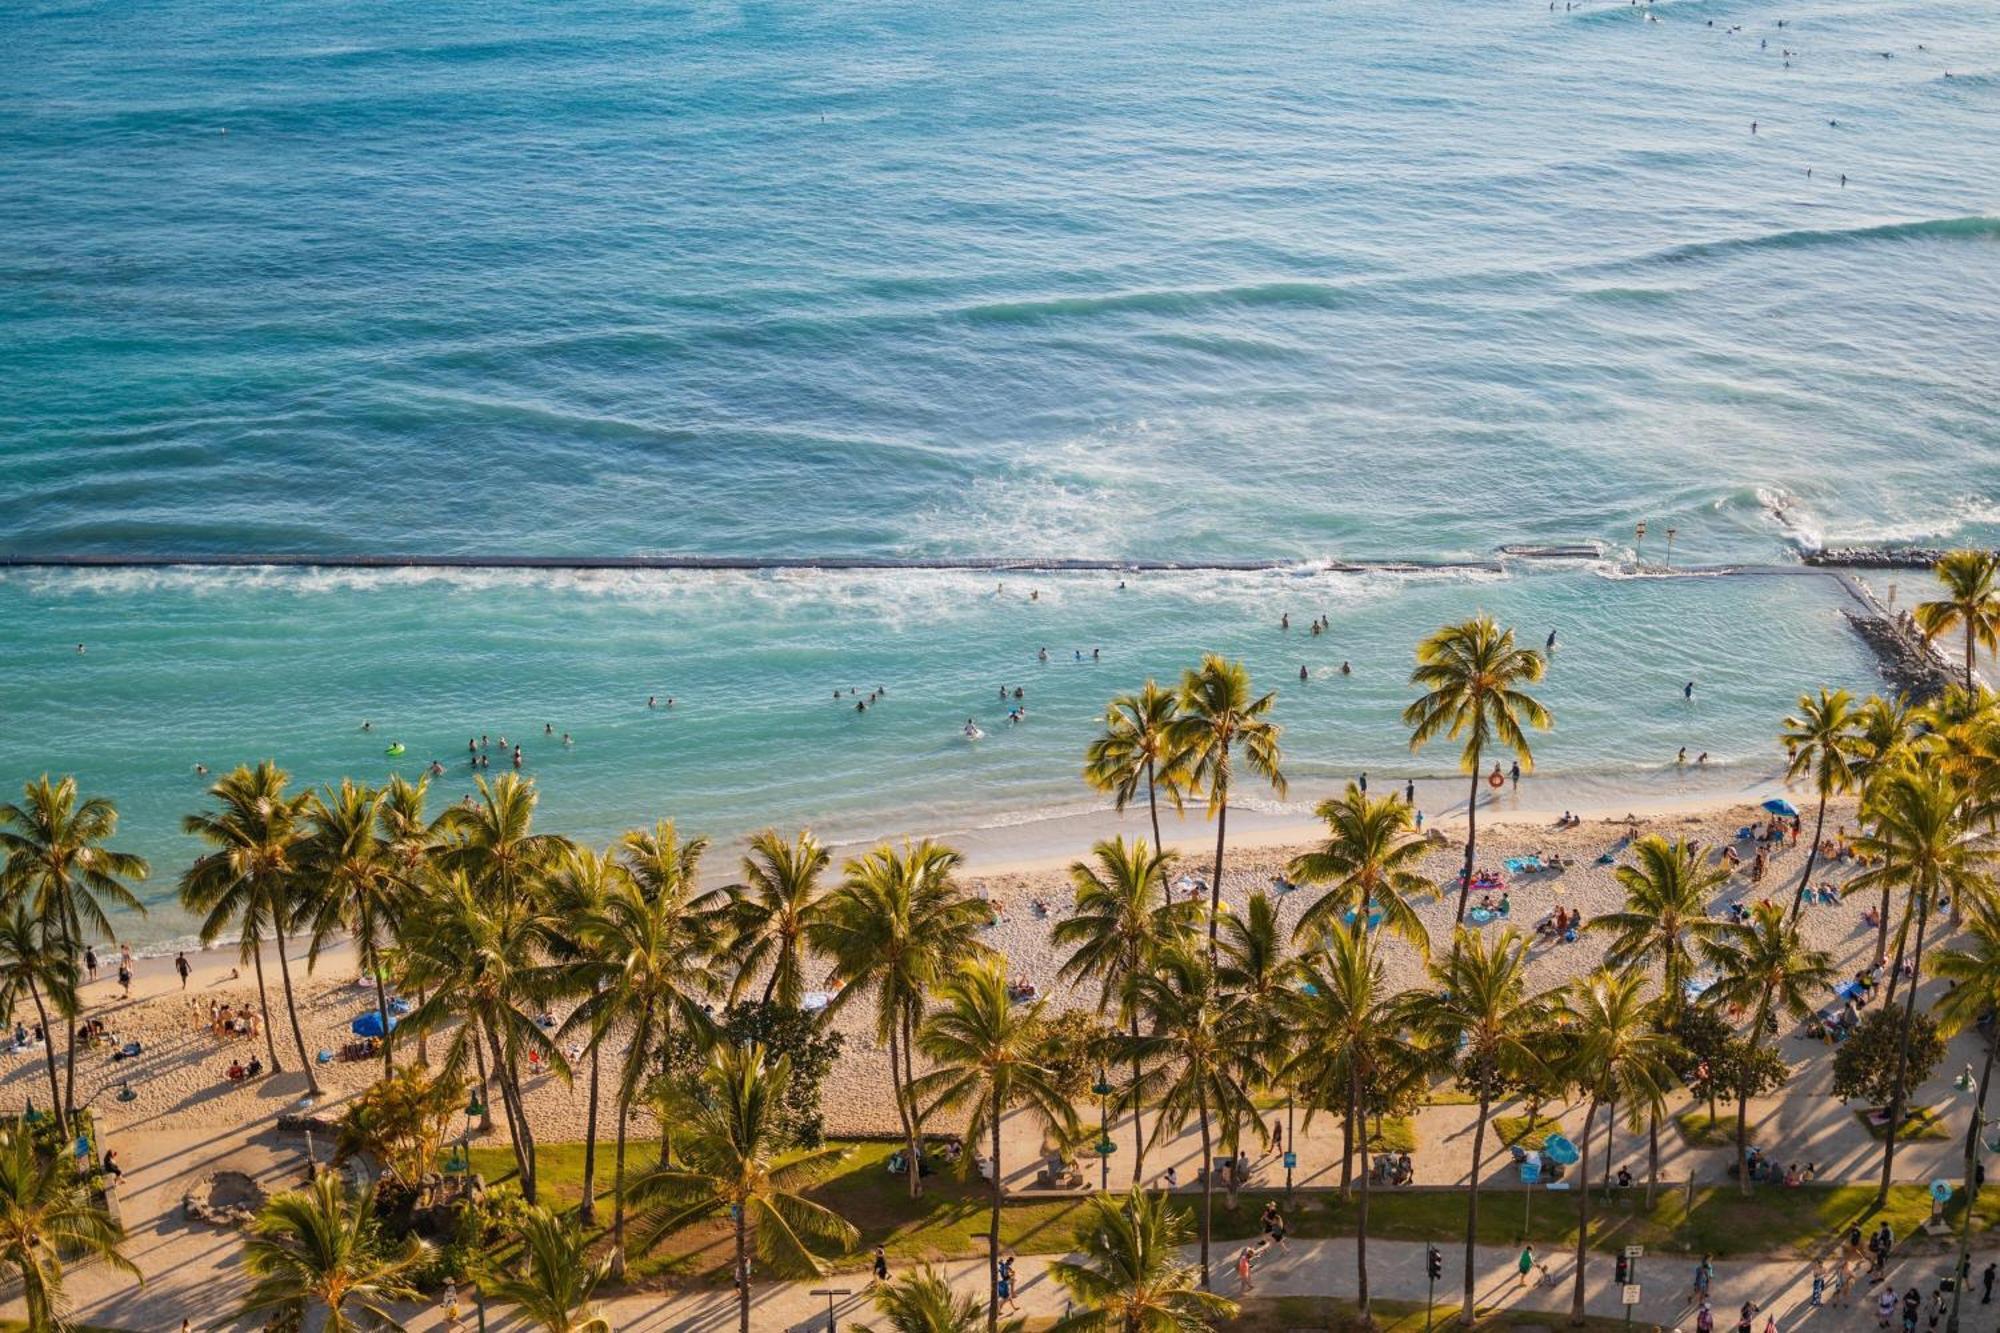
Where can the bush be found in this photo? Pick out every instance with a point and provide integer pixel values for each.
(780, 1031)
(1864, 1065)
(401, 1122)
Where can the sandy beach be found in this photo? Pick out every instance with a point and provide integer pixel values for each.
(178, 1080)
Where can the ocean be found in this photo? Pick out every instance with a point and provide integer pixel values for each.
(1275, 280)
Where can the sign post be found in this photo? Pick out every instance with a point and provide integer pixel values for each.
(1628, 1292)
(1434, 1265)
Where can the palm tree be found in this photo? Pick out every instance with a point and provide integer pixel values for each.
(1472, 674)
(1764, 966)
(1369, 862)
(321, 1246)
(729, 1166)
(351, 884)
(986, 1060)
(1134, 748)
(773, 909)
(412, 838)
(924, 1302)
(1973, 971)
(1194, 1043)
(1882, 728)
(250, 880)
(493, 841)
(1620, 1057)
(652, 955)
(47, 1218)
(1970, 603)
(897, 925)
(1919, 843)
(1665, 920)
(1129, 1277)
(1124, 909)
(558, 1277)
(486, 964)
(1824, 745)
(1257, 975)
(581, 886)
(31, 962)
(55, 854)
(1217, 717)
(1480, 1007)
(1356, 1034)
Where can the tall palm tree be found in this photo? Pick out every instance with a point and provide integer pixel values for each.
(486, 963)
(1193, 1043)
(1665, 919)
(1472, 676)
(1973, 970)
(493, 842)
(32, 962)
(580, 888)
(1129, 1276)
(558, 1276)
(773, 909)
(412, 837)
(1257, 975)
(46, 1219)
(1919, 843)
(1134, 750)
(924, 1302)
(1356, 1035)
(55, 855)
(250, 880)
(1124, 909)
(1823, 743)
(1620, 1058)
(894, 928)
(1480, 1007)
(322, 1246)
(1971, 603)
(729, 1165)
(1217, 718)
(1882, 728)
(350, 884)
(653, 959)
(1763, 965)
(1369, 863)
(986, 1059)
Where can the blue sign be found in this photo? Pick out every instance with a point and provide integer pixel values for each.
(1291, 1160)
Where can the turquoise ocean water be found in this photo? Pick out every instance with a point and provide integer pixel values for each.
(1273, 279)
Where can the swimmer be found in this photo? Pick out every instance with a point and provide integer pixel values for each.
(1079, 654)
(1003, 691)
(201, 770)
(1121, 585)
(1043, 655)
(79, 648)
(548, 728)
(670, 701)
(1687, 690)
(1701, 760)
(1843, 180)
(860, 707)
(567, 740)
(1346, 670)
(471, 745)
(1096, 654)
(1035, 595)
(437, 769)
(1550, 646)
(367, 726)
(652, 702)
(836, 694)
(1017, 691)
(1302, 671)
(1753, 127)
(1285, 620)
(517, 756)
(1682, 757)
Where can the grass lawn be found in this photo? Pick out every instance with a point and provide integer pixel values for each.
(1920, 1122)
(1397, 1134)
(950, 1220)
(1448, 1094)
(1512, 1129)
(1284, 1314)
(1702, 1131)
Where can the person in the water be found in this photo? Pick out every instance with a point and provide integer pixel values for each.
(1346, 670)
(1302, 671)
(1551, 644)
(1687, 690)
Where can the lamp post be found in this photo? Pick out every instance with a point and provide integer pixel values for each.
(1961, 1272)
(830, 1293)
(1105, 1147)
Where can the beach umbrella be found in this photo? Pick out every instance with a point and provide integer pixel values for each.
(1560, 1150)
(1778, 805)
(369, 1024)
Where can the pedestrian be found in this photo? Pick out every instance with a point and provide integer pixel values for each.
(1704, 1275)
(1986, 1282)
(1243, 1269)
(181, 966)
(1770, 1323)
(111, 1167)
(1704, 1318)
(1006, 1289)
(881, 1264)
(1526, 1263)
(451, 1305)
(90, 962)
(1746, 1314)
(1818, 1284)
(1885, 1307)
(125, 977)
(1937, 1306)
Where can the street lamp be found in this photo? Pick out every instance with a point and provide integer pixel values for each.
(1105, 1147)
(830, 1293)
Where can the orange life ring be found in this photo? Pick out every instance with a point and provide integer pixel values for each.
(1494, 779)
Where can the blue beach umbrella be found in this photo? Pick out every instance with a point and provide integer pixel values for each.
(1778, 805)
(1560, 1150)
(369, 1024)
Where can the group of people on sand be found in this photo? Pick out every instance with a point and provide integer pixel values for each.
(1561, 926)
(227, 1021)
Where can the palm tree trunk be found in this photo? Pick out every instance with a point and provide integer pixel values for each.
(898, 1092)
(66, 913)
(618, 1190)
(49, 1055)
(1960, 1271)
(1901, 1093)
(372, 960)
(1902, 946)
(1582, 1215)
(587, 1210)
(517, 1117)
(742, 1270)
(485, 1082)
(1882, 930)
(1153, 803)
(1472, 1197)
(264, 1006)
(1968, 653)
(1812, 856)
(993, 1231)
(1652, 1154)
(916, 1111)
(1610, 1135)
(292, 1008)
(1471, 842)
(1138, 1131)
(1361, 1222)
(1207, 1188)
(1291, 1142)
(1215, 886)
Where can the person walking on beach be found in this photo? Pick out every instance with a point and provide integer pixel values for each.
(181, 966)
(1704, 1275)
(90, 962)
(125, 977)
(881, 1264)
(1986, 1282)
(1526, 1263)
